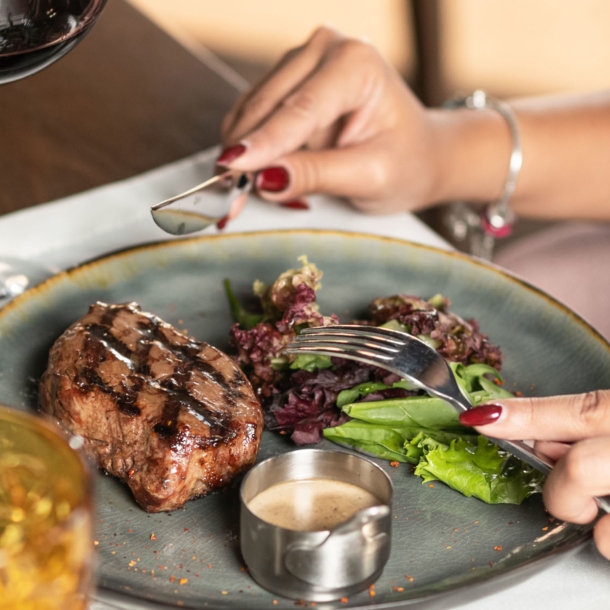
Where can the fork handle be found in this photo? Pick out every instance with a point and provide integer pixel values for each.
(524, 452)
(540, 462)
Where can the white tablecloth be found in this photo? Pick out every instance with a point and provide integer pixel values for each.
(77, 228)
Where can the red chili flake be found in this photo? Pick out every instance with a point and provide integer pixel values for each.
(129, 531)
(343, 600)
(300, 602)
(409, 578)
(186, 529)
(152, 536)
(172, 578)
(131, 472)
(394, 464)
(431, 486)
(497, 548)
(497, 381)
(209, 565)
(295, 204)
(222, 223)
(519, 394)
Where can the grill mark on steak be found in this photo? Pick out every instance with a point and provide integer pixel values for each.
(183, 401)
(177, 395)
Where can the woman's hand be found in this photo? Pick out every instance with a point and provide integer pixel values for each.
(334, 117)
(575, 431)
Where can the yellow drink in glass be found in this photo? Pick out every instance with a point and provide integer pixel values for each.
(46, 542)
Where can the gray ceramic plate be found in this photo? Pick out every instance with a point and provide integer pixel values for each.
(445, 547)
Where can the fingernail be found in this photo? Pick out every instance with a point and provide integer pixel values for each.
(222, 223)
(481, 416)
(230, 154)
(295, 204)
(272, 179)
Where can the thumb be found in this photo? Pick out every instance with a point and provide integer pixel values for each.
(357, 172)
(565, 418)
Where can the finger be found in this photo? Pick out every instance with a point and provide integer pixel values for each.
(331, 171)
(557, 418)
(294, 67)
(329, 94)
(601, 535)
(580, 475)
(552, 449)
(237, 206)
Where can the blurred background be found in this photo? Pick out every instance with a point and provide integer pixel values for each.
(507, 47)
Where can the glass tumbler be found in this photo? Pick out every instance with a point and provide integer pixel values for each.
(46, 543)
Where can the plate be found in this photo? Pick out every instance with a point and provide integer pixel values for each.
(446, 548)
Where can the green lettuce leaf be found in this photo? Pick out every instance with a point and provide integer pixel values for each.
(375, 440)
(418, 411)
(400, 444)
(480, 470)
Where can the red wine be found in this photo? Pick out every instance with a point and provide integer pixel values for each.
(36, 33)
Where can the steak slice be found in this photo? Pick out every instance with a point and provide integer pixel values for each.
(172, 417)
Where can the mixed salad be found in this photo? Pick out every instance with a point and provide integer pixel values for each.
(368, 408)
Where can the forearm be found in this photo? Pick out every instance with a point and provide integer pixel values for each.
(566, 156)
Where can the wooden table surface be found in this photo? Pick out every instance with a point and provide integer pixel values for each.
(127, 99)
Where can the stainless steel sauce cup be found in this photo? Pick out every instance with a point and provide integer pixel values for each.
(325, 565)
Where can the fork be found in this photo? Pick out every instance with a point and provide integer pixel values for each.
(414, 360)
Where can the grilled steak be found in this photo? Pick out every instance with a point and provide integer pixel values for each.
(170, 416)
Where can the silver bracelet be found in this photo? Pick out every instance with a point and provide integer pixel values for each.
(498, 218)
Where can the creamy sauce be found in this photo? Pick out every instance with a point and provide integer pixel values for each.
(311, 505)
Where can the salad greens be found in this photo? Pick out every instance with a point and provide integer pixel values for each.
(425, 431)
(366, 407)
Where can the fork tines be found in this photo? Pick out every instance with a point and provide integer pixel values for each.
(345, 340)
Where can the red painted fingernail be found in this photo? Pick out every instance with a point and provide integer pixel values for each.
(222, 223)
(230, 154)
(295, 204)
(481, 416)
(273, 179)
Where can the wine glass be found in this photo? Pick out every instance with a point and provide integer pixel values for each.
(33, 35)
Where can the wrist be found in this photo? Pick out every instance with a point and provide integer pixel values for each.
(473, 150)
